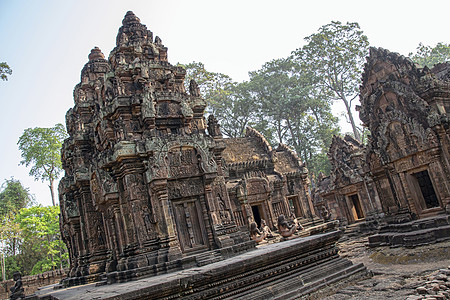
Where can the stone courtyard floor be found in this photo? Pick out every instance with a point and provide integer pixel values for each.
(397, 272)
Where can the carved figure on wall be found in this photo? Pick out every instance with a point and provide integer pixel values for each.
(17, 291)
(148, 218)
(255, 234)
(100, 236)
(285, 229)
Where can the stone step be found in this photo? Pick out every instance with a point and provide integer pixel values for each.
(208, 258)
(300, 266)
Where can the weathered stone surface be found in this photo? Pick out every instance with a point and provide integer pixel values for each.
(403, 173)
(264, 183)
(290, 269)
(144, 186)
(150, 187)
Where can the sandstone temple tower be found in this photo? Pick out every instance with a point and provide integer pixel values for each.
(144, 184)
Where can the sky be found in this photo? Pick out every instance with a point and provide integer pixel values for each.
(46, 43)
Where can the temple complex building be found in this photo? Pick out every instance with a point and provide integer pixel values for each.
(149, 184)
(144, 183)
(264, 183)
(403, 173)
(348, 194)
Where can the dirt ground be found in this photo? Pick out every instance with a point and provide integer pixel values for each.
(396, 272)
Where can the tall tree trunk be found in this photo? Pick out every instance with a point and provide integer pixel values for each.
(352, 121)
(52, 192)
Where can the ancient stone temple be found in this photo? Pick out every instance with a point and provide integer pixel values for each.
(264, 183)
(348, 193)
(153, 193)
(144, 182)
(403, 174)
(407, 111)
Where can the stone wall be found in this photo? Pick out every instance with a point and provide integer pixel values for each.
(33, 282)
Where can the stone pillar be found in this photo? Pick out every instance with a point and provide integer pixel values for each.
(170, 247)
(95, 232)
(205, 201)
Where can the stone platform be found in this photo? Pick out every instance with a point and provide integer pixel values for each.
(415, 233)
(284, 270)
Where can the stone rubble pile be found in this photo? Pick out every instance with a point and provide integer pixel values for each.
(436, 287)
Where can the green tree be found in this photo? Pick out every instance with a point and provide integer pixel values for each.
(10, 238)
(41, 148)
(236, 110)
(336, 56)
(214, 87)
(230, 102)
(13, 197)
(293, 110)
(5, 70)
(429, 56)
(41, 235)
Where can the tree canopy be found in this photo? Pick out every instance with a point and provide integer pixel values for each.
(32, 242)
(41, 149)
(429, 56)
(13, 197)
(293, 111)
(335, 55)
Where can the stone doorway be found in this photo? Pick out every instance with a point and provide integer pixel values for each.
(294, 205)
(426, 188)
(257, 216)
(356, 207)
(190, 226)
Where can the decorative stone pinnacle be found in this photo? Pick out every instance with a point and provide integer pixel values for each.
(96, 53)
(130, 18)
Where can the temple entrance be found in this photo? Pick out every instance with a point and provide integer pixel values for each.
(256, 210)
(190, 226)
(356, 207)
(426, 187)
(294, 205)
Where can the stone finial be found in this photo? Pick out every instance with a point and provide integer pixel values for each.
(96, 53)
(130, 18)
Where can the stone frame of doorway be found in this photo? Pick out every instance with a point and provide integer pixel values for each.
(417, 195)
(353, 210)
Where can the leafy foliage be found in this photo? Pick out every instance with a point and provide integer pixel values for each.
(41, 234)
(429, 56)
(13, 197)
(5, 70)
(295, 111)
(229, 101)
(32, 242)
(41, 148)
(335, 55)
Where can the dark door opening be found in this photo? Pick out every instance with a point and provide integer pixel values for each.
(256, 215)
(426, 187)
(358, 212)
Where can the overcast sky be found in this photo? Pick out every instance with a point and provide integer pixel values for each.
(46, 43)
